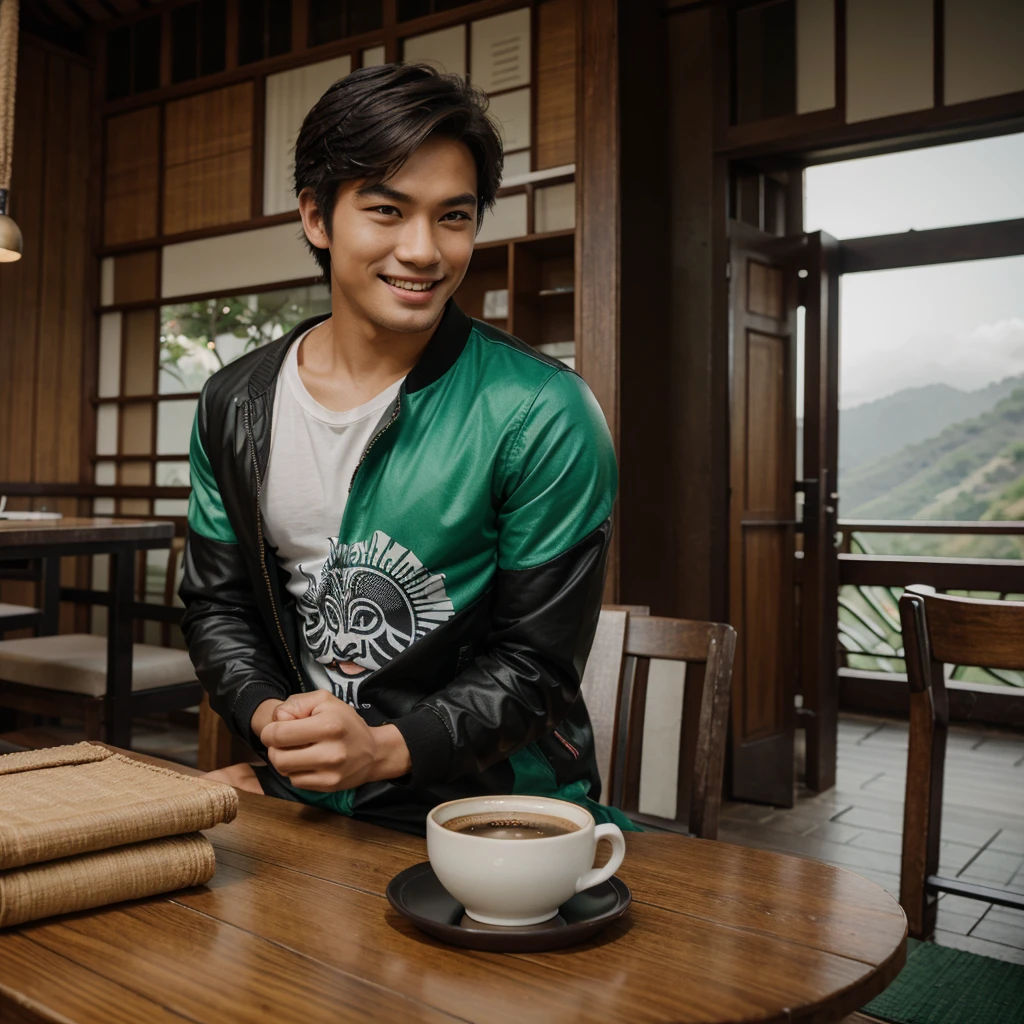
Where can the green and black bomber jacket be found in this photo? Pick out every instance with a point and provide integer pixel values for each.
(476, 533)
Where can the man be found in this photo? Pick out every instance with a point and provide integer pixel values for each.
(400, 516)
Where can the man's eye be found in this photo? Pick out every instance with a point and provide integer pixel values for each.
(386, 210)
(457, 215)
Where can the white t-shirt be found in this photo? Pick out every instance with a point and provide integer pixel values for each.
(313, 454)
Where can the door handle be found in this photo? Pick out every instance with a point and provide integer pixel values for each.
(811, 491)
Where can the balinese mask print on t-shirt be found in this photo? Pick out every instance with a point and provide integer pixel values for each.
(371, 601)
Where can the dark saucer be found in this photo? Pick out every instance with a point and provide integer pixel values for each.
(417, 894)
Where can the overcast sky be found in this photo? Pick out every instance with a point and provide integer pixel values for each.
(960, 324)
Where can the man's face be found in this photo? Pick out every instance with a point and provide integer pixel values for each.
(400, 248)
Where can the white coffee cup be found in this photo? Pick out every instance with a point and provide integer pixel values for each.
(518, 881)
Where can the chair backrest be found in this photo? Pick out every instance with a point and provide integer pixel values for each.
(939, 630)
(707, 650)
(175, 557)
(601, 683)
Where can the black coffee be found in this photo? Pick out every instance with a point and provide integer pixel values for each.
(525, 826)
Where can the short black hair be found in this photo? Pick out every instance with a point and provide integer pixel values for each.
(367, 124)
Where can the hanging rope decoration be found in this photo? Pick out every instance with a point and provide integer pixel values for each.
(10, 236)
(8, 76)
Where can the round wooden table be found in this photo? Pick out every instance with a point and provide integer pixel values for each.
(294, 926)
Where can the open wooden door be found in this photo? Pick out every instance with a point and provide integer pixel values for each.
(783, 571)
(817, 262)
(762, 526)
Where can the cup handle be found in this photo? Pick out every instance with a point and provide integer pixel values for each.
(595, 876)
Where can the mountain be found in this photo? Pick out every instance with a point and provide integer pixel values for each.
(867, 431)
(970, 470)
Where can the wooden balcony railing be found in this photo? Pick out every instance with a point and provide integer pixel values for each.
(871, 673)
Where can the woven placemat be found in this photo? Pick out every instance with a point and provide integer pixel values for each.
(106, 876)
(66, 800)
(940, 985)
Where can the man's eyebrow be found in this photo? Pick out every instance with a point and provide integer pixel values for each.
(381, 191)
(466, 199)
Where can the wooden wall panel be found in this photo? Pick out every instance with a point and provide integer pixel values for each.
(48, 337)
(597, 234)
(135, 276)
(140, 348)
(208, 159)
(131, 184)
(77, 301)
(20, 328)
(44, 296)
(136, 430)
(556, 84)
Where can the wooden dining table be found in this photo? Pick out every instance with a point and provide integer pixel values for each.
(295, 927)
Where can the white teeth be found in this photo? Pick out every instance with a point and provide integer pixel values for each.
(410, 286)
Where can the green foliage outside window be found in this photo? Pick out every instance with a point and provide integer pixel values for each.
(198, 338)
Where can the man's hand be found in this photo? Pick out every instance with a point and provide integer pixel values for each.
(322, 744)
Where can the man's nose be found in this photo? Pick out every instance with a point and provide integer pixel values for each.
(418, 245)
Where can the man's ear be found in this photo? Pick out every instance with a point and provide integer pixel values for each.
(312, 220)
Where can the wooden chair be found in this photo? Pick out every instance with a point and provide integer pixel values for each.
(601, 682)
(23, 616)
(615, 689)
(940, 630)
(66, 675)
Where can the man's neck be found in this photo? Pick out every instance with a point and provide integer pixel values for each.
(348, 360)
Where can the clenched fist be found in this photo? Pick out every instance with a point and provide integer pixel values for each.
(322, 744)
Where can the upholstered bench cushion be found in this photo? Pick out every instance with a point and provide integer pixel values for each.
(77, 663)
(16, 609)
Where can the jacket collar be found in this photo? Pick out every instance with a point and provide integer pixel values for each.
(442, 351)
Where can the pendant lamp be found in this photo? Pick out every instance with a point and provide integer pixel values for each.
(10, 234)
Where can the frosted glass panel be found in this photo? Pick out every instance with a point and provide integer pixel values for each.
(512, 112)
(515, 164)
(107, 281)
(229, 263)
(290, 96)
(105, 474)
(554, 208)
(373, 57)
(506, 220)
(106, 430)
(500, 54)
(889, 53)
(174, 426)
(102, 506)
(445, 50)
(815, 55)
(109, 382)
(984, 48)
(172, 474)
(170, 507)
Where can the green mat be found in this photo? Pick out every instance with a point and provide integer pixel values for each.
(948, 986)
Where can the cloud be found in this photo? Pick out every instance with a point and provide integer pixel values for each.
(989, 353)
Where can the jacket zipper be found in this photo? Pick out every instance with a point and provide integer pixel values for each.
(375, 439)
(263, 559)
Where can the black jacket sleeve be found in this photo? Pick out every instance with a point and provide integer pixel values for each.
(227, 641)
(233, 656)
(521, 687)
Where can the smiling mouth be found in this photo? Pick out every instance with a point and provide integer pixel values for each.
(409, 286)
